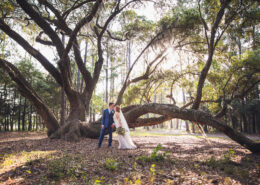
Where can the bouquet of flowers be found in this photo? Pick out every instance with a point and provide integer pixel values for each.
(120, 131)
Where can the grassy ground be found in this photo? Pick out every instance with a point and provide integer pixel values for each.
(31, 158)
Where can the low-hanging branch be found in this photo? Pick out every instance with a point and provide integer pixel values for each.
(27, 91)
(170, 111)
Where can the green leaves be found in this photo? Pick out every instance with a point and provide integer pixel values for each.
(181, 20)
(110, 164)
(136, 26)
(6, 7)
(155, 156)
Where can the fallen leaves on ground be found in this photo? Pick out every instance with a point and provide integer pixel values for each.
(32, 158)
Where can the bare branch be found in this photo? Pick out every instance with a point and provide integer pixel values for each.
(80, 24)
(204, 24)
(149, 121)
(83, 70)
(35, 53)
(74, 7)
(115, 38)
(44, 42)
(139, 78)
(39, 20)
(61, 23)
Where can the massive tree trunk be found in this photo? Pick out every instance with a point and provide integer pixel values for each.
(75, 126)
(79, 104)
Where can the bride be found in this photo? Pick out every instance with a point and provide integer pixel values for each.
(125, 141)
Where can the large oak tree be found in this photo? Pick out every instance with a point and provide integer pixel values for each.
(56, 19)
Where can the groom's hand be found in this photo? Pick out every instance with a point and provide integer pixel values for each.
(102, 126)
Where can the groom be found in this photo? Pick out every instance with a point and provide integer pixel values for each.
(107, 122)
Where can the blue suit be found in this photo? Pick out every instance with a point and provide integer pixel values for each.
(107, 121)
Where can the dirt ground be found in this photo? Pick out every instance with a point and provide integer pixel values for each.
(32, 158)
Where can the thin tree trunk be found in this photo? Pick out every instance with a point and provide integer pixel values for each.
(171, 124)
(253, 124)
(6, 124)
(245, 123)
(37, 122)
(241, 124)
(85, 61)
(177, 124)
(205, 128)
(14, 109)
(24, 114)
(234, 122)
(112, 78)
(19, 113)
(106, 95)
(63, 98)
(183, 95)
(161, 101)
(258, 117)
(154, 100)
(30, 119)
(184, 102)
(94, 116)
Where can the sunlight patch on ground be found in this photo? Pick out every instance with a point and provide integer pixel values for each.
(18, 159)
(184, 159)
(14, 181)
(138, 133)
(19, 136)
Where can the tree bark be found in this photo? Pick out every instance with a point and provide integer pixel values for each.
(258, 117)
(63, 97)
(200, 117)
(30, 119)
(19, 113)
(211, 48)
(24, 114)
(107, 60)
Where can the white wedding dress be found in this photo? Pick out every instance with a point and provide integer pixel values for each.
(125, 141)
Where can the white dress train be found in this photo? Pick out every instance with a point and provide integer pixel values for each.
(125, 141)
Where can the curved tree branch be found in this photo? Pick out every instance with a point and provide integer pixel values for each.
(44, 42)
(80, 24)
(35, 53)
(211, 49)
(197, 116)
(39, 20)
(83, 70)
(27, 91)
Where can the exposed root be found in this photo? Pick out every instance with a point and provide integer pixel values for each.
(74, 129)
